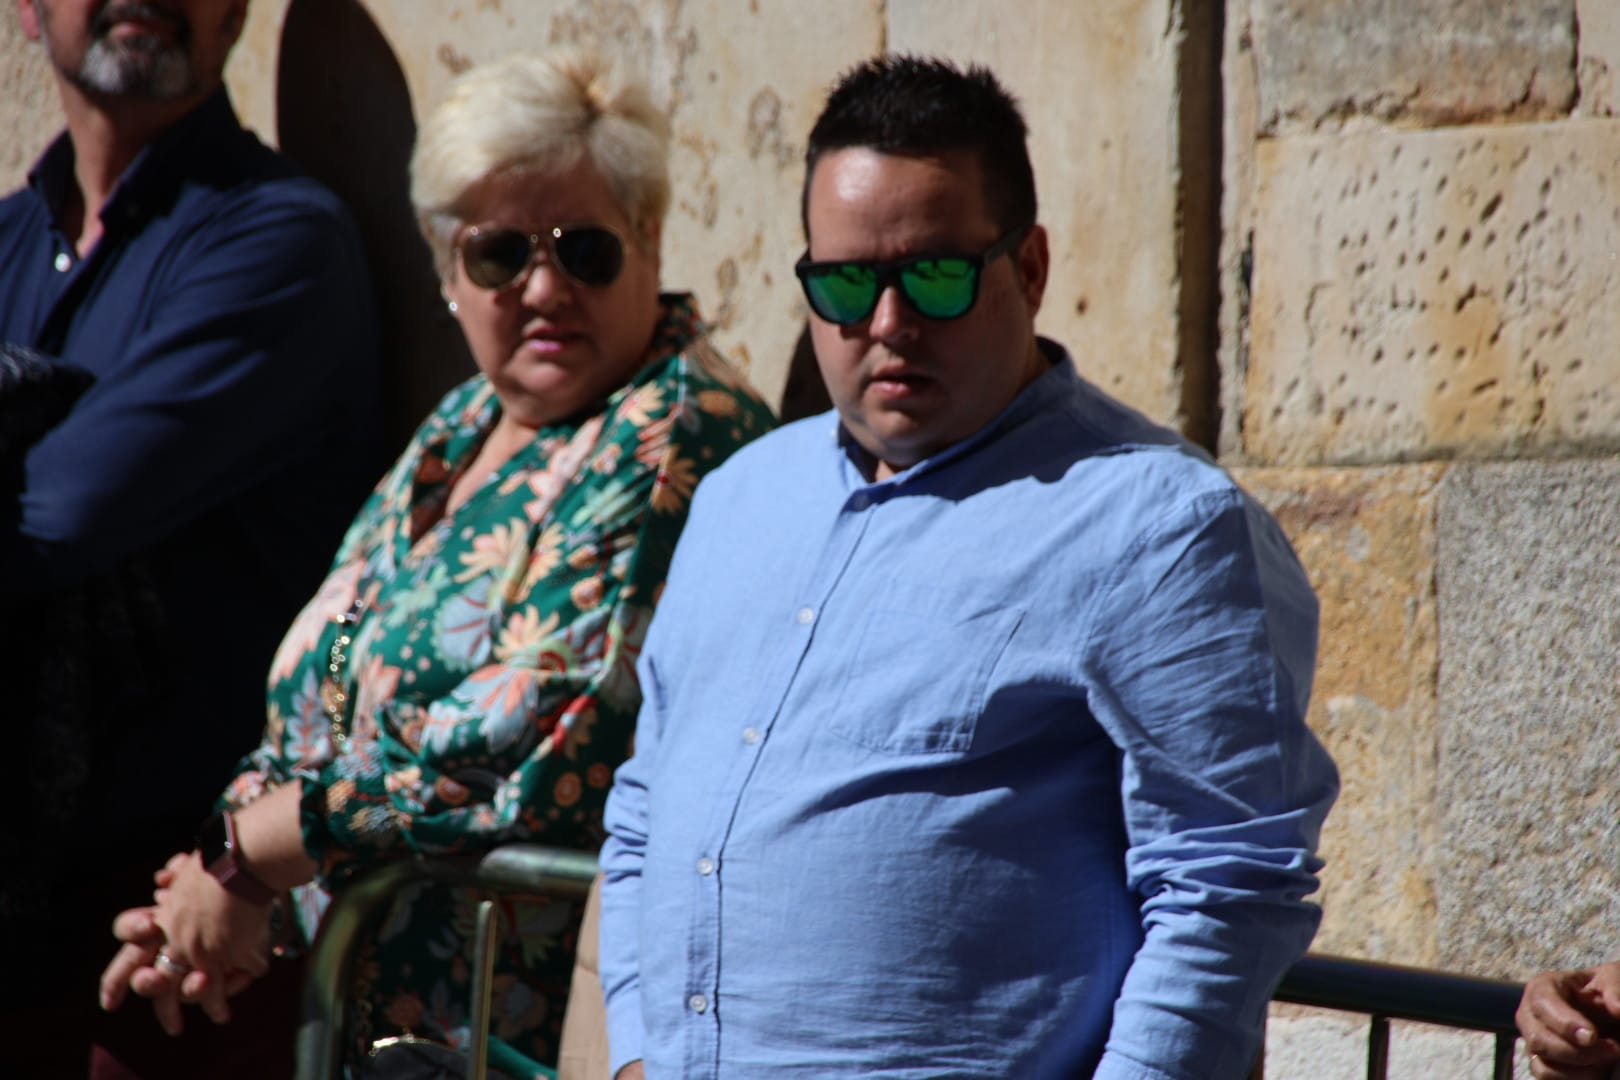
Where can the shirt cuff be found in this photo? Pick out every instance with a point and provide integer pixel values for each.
(1118, 1067)
(624, 1030)
(312, 817)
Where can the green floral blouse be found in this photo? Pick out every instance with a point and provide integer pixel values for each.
(484, 688)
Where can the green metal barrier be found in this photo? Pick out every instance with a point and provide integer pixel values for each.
(1386, 992)
(327, 1005)
(1383, 992)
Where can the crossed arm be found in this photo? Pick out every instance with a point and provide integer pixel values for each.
(268, 313)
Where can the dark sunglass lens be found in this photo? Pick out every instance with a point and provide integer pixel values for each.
(843, 293)
(940, 288)
(592, 256)
(494, 258)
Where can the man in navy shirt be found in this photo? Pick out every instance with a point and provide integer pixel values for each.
(973, 736)
(199, 486)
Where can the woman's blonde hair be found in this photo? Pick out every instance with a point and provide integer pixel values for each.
(540, 113)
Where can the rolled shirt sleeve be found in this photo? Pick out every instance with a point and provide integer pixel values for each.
(1224, 789)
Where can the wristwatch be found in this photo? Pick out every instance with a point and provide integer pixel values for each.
(216, 844)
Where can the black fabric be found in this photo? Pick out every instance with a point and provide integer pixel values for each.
(157, 537)
(36, 392)
(76, 659)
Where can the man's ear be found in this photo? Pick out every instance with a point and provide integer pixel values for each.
(29, 17)
(1033, 261)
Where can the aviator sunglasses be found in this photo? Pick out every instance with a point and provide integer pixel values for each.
(935, 286)
(495, 256)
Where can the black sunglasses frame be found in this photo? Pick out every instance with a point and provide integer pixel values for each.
(548, 241)
(888, 273)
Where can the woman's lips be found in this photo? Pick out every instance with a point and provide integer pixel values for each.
(550, 341)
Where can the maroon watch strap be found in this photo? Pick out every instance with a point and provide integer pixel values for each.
(216, 844)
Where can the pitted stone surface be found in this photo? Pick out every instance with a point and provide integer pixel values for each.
(1097, 84)
(30, 110)
(1599, 69)
(1367, 539)
(754, 79)
(1240, 101)
(1323, 63)
(1435, 294)
(1529, 587)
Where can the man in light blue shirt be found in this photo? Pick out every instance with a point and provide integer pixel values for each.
(974, 738)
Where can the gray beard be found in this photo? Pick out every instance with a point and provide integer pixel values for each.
(137, 67)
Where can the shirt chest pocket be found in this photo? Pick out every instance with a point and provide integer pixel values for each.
(916, 683)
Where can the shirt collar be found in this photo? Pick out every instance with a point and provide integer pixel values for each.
(154, 175)
(52, 176)
(679, 324)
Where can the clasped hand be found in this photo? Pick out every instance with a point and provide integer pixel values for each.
(1568, 1019)
(197, 944)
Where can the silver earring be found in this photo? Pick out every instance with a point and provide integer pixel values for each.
(451, 304)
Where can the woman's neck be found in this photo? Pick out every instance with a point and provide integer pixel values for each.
(505, 439)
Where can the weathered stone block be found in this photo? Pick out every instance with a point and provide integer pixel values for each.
(1417, 62)
(754, 79)
(1367, 539)
(1529, 587)
(1433, 294)
(1239, 128)
(1106, 170)
(30, 110)
(1599, 69)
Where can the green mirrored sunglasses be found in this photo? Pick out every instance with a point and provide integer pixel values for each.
(935, 286)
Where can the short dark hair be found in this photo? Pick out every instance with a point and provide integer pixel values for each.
(913, 105)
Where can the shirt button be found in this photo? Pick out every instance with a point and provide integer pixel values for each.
(705, 866)
(698, 1003)
(750, 735)
(63, 262)
(806, 616)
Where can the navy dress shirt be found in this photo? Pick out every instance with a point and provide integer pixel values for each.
(995, 768)
(232, 429)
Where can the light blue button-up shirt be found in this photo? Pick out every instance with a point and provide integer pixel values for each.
(996, 768)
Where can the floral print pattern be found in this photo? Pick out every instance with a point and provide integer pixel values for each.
(491, 679)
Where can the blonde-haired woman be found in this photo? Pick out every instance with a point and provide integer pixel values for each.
(466, 675)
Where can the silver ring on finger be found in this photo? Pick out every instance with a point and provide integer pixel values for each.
(170, 966)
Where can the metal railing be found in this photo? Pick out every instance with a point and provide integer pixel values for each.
(1383, 992)
(1386, 992)
(327, 1005)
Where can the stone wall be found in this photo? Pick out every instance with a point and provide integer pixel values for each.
(1365, 249)
(1418, 361)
